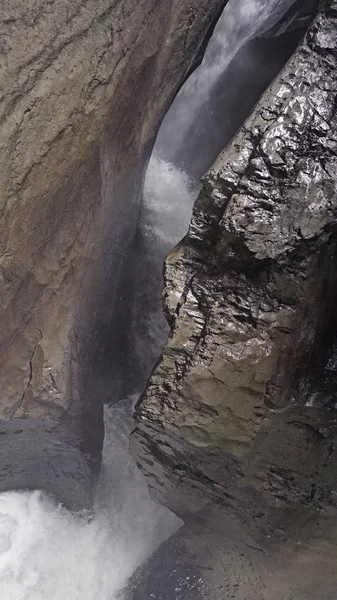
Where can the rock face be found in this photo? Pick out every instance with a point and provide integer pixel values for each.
(211, 559)
(236, 413)
(84, 86)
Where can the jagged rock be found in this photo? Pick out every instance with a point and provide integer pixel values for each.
(84, 86)
(234, 413)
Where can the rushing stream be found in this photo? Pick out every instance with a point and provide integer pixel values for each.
(47, 553)
(204, 106)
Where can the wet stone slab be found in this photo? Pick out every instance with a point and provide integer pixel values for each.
(35, 456)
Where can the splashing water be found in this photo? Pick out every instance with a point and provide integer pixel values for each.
(165, 214)
(48, 553)
(169, 194)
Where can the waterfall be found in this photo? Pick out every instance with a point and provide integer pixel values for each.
(240, 22)
(47, 553)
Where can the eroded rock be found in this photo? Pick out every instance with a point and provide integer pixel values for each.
(232, 414)
(84, 86)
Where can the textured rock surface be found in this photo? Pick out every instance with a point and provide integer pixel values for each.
(236, 413)
(212, 559)
(84, 86)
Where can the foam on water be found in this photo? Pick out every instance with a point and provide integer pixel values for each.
(47, 553)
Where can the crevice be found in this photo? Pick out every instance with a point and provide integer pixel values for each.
(30, 377)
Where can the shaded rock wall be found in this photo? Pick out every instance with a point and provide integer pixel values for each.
(84, 86)
(233, 414)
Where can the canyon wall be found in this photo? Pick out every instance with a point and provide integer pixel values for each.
(240, 413)
(84, 87)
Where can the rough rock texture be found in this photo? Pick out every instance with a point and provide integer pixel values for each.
(236, 412)
(84, 86)
(204, 562)
(211, 558)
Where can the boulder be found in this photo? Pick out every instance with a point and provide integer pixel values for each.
(241, 410)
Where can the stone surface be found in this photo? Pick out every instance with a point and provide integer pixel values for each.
(235, 413)
(204, 562)
(84, 87)
(210, 558)
(34, 455)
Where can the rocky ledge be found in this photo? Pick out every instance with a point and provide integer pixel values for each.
(235, 413)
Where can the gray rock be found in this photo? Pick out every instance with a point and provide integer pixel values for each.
(34, 455)
(233, 414)
(204, 562)
(84, 85)
(210, 558)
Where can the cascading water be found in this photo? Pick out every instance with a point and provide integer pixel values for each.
(238, 23)
(204, 108)
(200, 122)
(47, 553)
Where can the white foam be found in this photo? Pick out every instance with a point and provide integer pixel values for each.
(47, 553)
(169, 194)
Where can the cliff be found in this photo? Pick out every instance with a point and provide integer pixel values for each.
(240, 412)
(84, 87)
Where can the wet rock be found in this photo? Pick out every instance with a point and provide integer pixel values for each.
(34, 455)
(211, 558)
(228, 415)
(84, 87)
(204, 562)
(232, 97)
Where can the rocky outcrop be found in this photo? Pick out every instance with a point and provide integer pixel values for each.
(84, 86)
(236, 414)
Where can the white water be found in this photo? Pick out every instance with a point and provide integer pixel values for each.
(47, 553)
(169, 194)
(168, 199)
(240, 21)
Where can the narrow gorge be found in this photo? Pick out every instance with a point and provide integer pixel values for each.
(168, 435)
